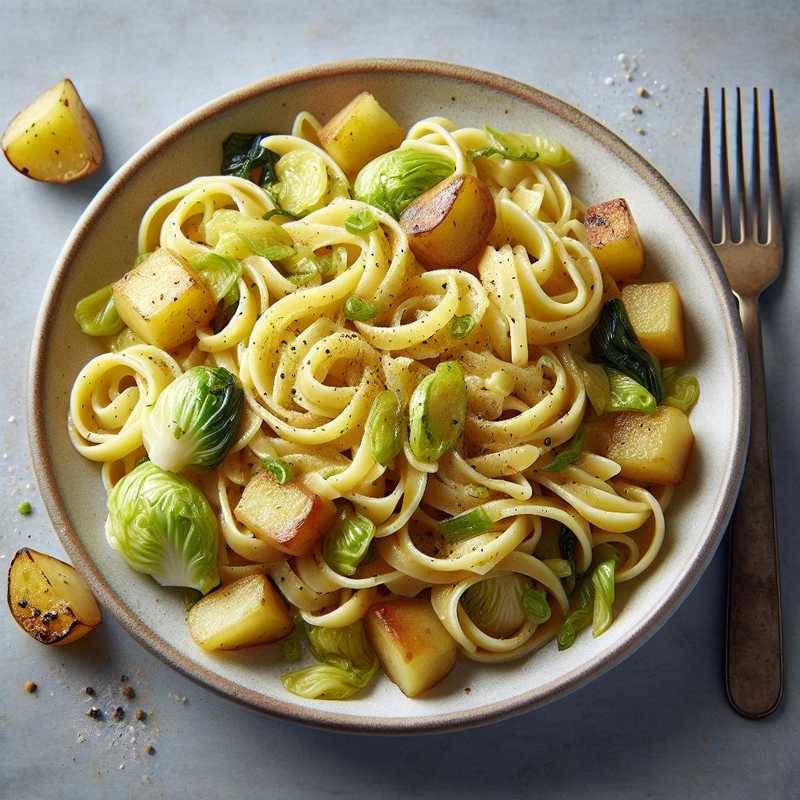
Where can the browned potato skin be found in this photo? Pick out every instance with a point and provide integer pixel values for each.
(449, 224)
(48, 619)
(414, 648)
(289, 516)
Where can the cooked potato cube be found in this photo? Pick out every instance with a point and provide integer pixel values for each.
(54, 139)
(412, 644)
(162, 300)
(242, 614)
(49, 599)
(359, 132)
(614, 239)
(449, 224)
(653, 448)
(656, 313)
(287, 516)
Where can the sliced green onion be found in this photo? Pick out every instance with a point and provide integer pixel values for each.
(272, 252)
(280, 469)
(461, 327)
(579, 618)
(361, 222)
(560, 567)
(681, 392)
(568, 455)
(346, 546)
(384, 428)
(534, 601)
(603, 583)
(465, 526)
(628, 394)
(360, 310)
(279, 212)
(97, 315)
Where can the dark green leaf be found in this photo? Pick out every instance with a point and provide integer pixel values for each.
(615, 342)
(242, 153)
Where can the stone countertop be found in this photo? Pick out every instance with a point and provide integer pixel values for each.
(658, 726)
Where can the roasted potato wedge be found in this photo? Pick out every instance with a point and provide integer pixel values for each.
(449, 224)
(287, 516)
(54, 139)
(656, 314)
(362, 130)
(413, 646)
(653, 448)
(245, 613)
(163, 300)
(49, 599)
(614, 239)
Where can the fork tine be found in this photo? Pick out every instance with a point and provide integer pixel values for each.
(741, 197)
(755, 172)
(775, 219)
(724, 175)
(706, 219)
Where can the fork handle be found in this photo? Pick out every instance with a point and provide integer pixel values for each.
(754, 642)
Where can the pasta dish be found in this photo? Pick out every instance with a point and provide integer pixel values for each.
(387, 396)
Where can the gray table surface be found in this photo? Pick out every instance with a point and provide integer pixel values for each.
(658, 726)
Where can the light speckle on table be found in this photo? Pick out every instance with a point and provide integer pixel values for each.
(657, 726)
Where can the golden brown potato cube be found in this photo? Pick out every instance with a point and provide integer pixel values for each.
(412, 644)
(449, 224)
(614, 239)
(245, 613)
(49, 599)
(359, 132)
(653, 448)
(163, 300)
(288, 516)
(54, 139)
(656, 313)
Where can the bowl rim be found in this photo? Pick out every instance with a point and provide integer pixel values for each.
(479, 715)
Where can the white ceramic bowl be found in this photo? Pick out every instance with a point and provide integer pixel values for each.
(103, 243)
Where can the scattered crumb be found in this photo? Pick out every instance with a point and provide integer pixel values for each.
(642, 92)
(82, 737)
(123, 679)
(141, 714)
(150, 750)
(31, 687)
(640, 131)
(118, 714)
(637, 110)
(467, 690)
(90, 691)
(94, 713)
(128, 692)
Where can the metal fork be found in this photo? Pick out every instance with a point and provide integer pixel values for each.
(750, 247)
